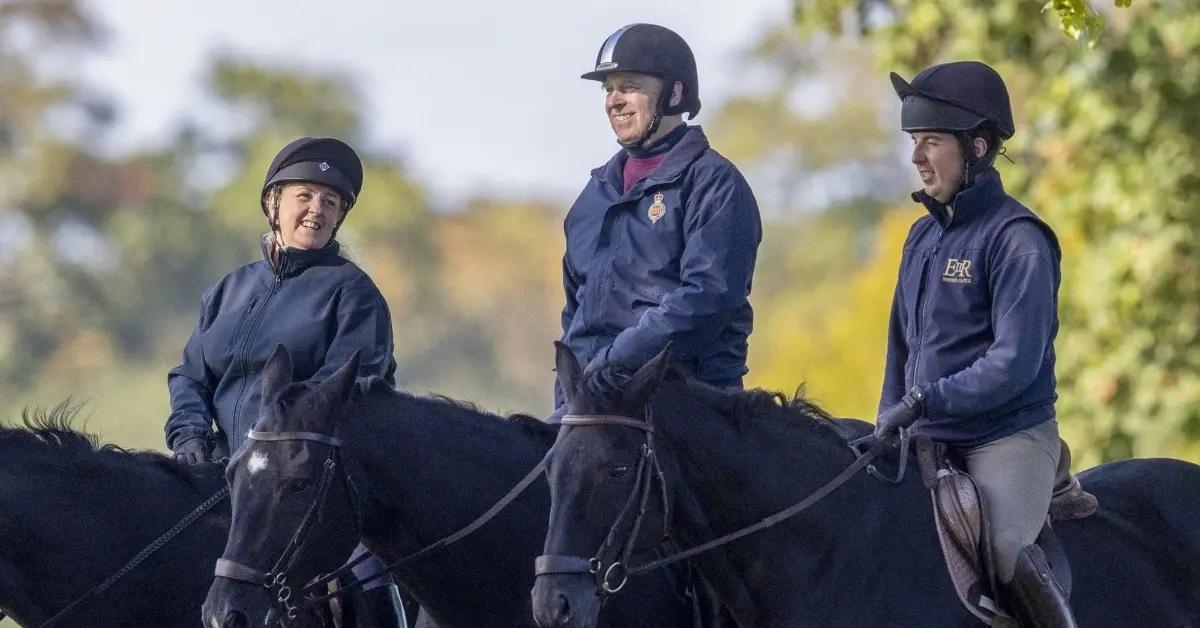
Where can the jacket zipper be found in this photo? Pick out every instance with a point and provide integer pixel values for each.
(250, 331)
(926, 278)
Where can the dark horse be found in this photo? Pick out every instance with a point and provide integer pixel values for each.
(867, 554)
(411, 470)
(72, 512)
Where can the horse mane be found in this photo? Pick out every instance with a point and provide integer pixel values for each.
(531, 425)
(743, 407)
(52, 429)
(376, 388)
(53, 432)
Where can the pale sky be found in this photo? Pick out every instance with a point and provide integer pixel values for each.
(478, 96)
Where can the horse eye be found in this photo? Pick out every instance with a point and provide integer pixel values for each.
(298, 485)
(618, 472)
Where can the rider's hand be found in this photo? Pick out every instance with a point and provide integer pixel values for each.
(193, 450)
(902, 414)
(604, 377)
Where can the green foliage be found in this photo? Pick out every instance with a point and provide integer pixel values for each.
(1106, 146)
(117, 250)
(1079, 20)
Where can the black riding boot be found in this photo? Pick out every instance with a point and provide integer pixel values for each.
(380, 607)
(1036, 596)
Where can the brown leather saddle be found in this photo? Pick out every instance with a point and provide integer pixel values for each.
(958, 510)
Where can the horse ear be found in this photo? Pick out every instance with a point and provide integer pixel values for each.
(567, 366)
(340, 385)
(650, 375)
(278, 372)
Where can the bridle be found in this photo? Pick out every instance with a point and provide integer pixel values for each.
(275, 580)
(609, 566)
(605, 569)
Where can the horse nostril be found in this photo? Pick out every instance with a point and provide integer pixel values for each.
(564, 611)
(235, 619)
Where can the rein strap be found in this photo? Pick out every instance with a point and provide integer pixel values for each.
(141, 556)
(467, 530)
(787, 513)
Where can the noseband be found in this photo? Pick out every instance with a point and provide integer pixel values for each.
(609, 566)
(276, 579)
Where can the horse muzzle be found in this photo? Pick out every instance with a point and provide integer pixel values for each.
(233, 605)
(566, 601)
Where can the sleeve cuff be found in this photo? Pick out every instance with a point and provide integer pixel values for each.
(194, 425)
(934, 405)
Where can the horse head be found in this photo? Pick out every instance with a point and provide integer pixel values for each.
(605, 488)
(294, 510)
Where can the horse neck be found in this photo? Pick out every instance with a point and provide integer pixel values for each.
(43, 501)
(429, 464)
(771, 459)
(734, 472)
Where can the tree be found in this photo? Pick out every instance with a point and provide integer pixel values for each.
(1105, 150)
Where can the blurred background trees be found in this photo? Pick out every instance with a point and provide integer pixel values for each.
(105, 255)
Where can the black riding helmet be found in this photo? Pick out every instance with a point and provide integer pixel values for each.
(957, 96)
(960, 97)
(322, 160)
(659, 52)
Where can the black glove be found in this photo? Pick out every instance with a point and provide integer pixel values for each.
(194, 450)
(604, 378)
(902, 414)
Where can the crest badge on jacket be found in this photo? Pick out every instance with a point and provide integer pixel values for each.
(657, 209)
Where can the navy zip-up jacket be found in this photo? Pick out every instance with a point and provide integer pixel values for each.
(974, 317)
(668, 261)
(319, 305)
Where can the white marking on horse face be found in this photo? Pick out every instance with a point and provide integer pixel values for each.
(258, 462)
(215, 623)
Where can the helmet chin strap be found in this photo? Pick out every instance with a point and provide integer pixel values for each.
(638, 141)
(664, 101)
(970, 161)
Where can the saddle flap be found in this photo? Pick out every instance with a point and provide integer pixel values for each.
(961, 521)
(958, 513)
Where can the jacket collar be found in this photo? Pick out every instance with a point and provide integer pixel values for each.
(691, 144)
(969, 204)
(292, 261)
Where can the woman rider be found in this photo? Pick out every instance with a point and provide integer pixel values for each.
(303, 295)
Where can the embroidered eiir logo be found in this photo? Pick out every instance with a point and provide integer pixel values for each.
(957, 271)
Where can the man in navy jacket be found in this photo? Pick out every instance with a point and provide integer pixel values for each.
(970, 358)
(662, 241)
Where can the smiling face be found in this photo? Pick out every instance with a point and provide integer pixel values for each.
(939, 162)
(308, 213)
(630, 102)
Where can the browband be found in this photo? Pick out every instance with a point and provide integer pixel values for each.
(281, 436)
(606, 419)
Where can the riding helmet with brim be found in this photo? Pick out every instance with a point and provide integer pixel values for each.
(956, 96)
(322, 160)
(657, 51)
